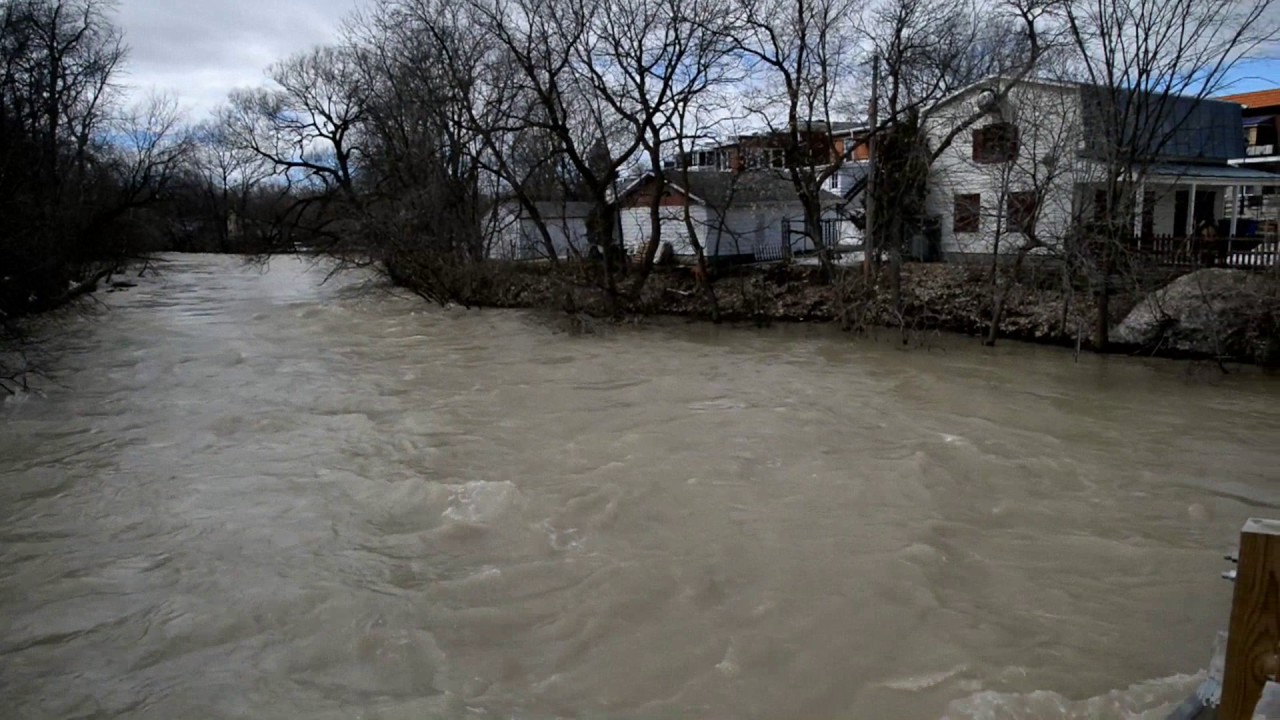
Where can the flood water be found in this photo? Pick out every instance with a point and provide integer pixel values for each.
(254, 495)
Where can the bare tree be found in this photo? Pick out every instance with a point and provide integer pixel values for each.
(307, 125)
(58, 60)
(1032, 213)
(801, 57)
(650, 62)
(930, 50)
(228, 177)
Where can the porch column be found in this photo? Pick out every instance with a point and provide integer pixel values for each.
(1235, 210)
(1191, 212)
(1140, 206)
(1275, 239)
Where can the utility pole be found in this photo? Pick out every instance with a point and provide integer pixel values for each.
(869, 249)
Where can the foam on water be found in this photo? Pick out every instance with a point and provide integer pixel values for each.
(481, 502)
(1150, 700)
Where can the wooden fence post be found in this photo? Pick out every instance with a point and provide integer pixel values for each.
(1253, 638)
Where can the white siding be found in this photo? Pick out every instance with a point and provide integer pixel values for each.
(758, 230)
(747, 230)
(637, 225)
(513, 234)
(1047, 118)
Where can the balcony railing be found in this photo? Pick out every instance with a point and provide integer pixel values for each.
(1260, 150)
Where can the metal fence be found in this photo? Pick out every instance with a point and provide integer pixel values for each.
(795, 236)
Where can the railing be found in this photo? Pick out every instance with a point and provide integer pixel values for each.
(1174, 251)
(1260, 150)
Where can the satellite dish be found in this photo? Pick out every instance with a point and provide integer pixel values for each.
(986, 100)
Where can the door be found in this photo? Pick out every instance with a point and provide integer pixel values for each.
(1180, 202)
(1205, 212)
(1148, 215)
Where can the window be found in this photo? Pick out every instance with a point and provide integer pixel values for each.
(968, 213)
(1020, 211)
(834, 182)
(767, 158)
(1100, 205)
(995, 143)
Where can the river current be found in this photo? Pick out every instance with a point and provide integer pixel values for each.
(259, 494)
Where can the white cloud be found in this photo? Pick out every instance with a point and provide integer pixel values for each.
(199, 50)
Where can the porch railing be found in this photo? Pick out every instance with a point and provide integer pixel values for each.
(1175, 251)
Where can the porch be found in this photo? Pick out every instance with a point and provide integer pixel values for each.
(1194, 216)
(1187, 201)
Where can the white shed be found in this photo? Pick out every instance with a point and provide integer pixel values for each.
(513, 231)
(744, 215)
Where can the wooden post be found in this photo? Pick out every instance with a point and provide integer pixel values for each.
(1188, 230)
(1253, 638)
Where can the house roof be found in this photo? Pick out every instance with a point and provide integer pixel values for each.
(725, 189)
(1259, 99)
(1173, 127)
(1168, 127)
(838, 127)
(1213, 174)
(1001, 80)
(550, 208)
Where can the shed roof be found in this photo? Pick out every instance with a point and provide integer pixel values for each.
(725, 189)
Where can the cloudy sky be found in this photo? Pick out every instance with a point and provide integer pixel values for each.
(201, 49)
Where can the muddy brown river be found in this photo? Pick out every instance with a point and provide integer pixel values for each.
(248, 494)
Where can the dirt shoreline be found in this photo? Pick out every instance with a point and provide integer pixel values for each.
(948, 297)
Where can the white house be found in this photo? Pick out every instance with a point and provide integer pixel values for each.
(751, 214)
(1032, 165)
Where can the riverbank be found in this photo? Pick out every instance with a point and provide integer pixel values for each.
(1222, 315)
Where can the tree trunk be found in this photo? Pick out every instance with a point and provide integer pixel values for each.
(655, 238)
(813, 226)
(1102, 328)
(1102, 324)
